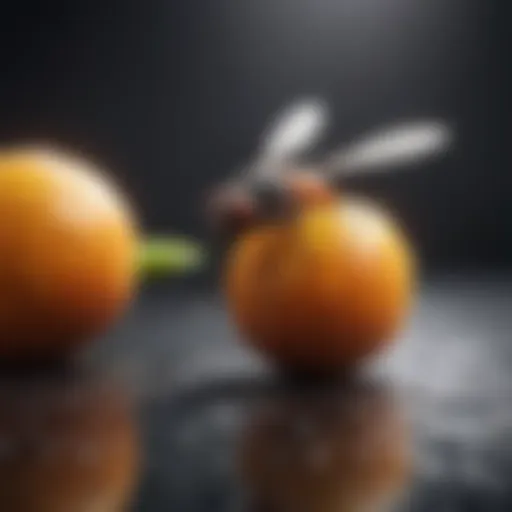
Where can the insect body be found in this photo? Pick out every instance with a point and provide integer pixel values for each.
(316, 278)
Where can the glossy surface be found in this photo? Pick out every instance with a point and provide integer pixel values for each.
(335, 449)
(449, 377)
(200, 396)
(68, 252)
(323, 290)
(69, 443)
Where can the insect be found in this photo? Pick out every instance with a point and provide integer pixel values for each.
(316, 278)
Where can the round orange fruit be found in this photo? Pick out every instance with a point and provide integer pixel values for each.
(323, 289)
(68, 248)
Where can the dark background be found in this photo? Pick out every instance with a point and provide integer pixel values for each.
(171, 95)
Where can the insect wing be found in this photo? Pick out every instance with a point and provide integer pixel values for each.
(398, 146)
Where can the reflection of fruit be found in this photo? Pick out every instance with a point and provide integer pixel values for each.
(322, 452)
(67, 445)
(322, 289)
(68, 252)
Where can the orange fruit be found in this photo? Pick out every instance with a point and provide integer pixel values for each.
(324, 289)
(68, 248)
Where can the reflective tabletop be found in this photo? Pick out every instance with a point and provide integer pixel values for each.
(171, 412)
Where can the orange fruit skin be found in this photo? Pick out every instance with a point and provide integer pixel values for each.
(323, 290)
(67, 253)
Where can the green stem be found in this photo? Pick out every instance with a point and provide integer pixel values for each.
(169, 256)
